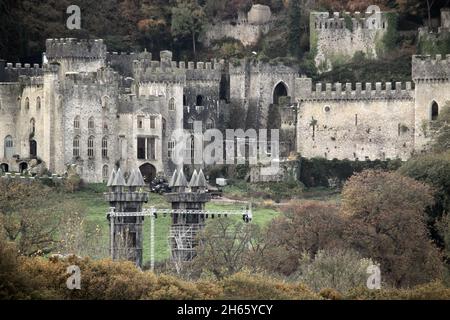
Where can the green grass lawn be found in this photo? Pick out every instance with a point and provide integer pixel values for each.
(96, 208)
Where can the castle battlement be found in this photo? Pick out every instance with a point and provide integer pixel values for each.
(427, 67)
(12, 72)
(339, 21)
(359, 91)
(102, 76)
(166, 70)
(75, 48)
(31, 81)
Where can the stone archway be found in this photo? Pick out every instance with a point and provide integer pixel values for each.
(4, 167)
(23, 166)
(279, 91)
(148, 171)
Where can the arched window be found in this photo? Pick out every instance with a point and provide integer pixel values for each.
(105, 147)
(105, 125)
(38, 103)
(105, 103)
(90, 145)
(27, 104)
(172, 104)
(32, 126)
(9, 147)
(105, 173)
(279, 91)
(434, 111)
(76, 122)
(199, 100)
(76, 146)
(91, 123)
(210, 123)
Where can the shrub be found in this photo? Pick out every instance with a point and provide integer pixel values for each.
(339, 269)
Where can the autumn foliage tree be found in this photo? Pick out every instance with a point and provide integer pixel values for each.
(387, 223)
(304, 227)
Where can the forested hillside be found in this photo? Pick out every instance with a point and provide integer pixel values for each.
(128, 25)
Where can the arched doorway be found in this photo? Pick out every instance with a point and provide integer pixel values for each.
(23, 167)
(148, 171)
(33, 149)
(279, 91)
(4, 167)
(434, 111)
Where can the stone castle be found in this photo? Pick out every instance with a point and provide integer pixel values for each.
(88, 107)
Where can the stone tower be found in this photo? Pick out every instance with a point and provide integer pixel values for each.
(186, 226)
(126, 231)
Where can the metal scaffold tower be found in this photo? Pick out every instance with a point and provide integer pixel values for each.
(188, 216)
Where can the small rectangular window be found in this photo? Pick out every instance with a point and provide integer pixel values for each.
(140, 122)
(152, 122)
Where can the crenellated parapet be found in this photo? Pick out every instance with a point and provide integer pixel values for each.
(147, 70)
(346, 20)
(75, 48)
(357, 91)
(431, 68)
(12, 72)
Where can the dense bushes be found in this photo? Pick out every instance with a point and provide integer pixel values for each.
(320, 172)
(39, 278)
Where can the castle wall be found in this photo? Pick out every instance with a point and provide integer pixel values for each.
(432, 78)
(335, 39)
(90, 96)
(357, 124)
(9, 107)
(247, 34)
(253, 83)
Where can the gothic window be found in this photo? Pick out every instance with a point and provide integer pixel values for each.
(105, 126)
(76, 122)
(434, 111)
(91, 123)
(105, 147)
(172, 104)
(32, 126)
(9, 147)
(209, 123)
(140, 122)
(199, 100)
(105, 103)
(38, 103)
(90, 146)
(76, 146)
(105, 173)
(27, 104)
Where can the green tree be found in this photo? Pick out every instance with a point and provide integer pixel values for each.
(433, 169)
(294, 28)
(188, 20)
